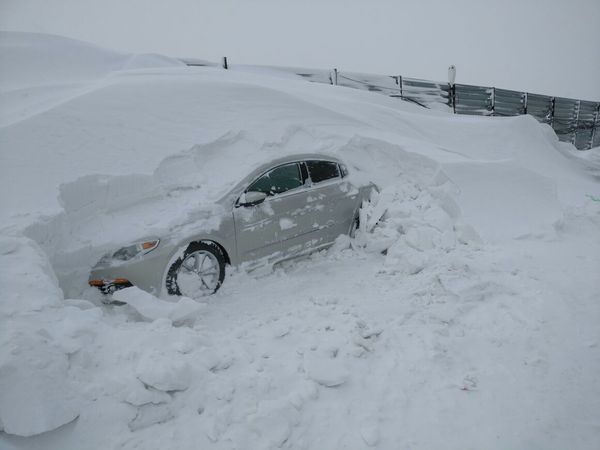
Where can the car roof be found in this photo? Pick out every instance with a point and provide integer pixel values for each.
(296, 158)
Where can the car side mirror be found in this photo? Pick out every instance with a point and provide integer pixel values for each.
(251, 198)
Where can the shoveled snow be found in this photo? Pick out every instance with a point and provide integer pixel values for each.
(325, 370)
(463, 314)
(152, 308)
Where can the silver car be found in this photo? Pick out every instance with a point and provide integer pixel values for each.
(286, 208)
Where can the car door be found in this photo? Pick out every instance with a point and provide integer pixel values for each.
(264, 230)
(334, 199)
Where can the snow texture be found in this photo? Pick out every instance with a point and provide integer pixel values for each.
(462, 314)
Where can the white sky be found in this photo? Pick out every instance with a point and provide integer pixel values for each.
(544, 46)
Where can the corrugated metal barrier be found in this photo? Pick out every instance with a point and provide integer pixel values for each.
(574, 121)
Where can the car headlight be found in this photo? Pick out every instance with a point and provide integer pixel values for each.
(133, 250)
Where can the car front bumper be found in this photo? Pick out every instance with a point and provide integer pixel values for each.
(145, 272)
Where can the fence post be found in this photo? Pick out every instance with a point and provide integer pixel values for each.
(577, 122)
(224, 63)
(525, 98)
(493, 101)
(334, 78)
(551, 118)
(452, 85)
(400, 84)
(595, 125)
(454, 98)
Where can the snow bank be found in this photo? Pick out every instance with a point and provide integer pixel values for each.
(466, 303)
(40, 71)
(27, 281)
(35, 394)
(414, 216)
(30, 59)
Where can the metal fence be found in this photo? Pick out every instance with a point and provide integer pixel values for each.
(574, 121)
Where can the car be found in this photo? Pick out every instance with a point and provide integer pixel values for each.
(285, 208)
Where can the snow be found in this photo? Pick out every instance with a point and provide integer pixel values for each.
(325, 370)
(164, 372)
(40, 71)
(152, 308)
(286, 224)
(463, 314)
(33, 396)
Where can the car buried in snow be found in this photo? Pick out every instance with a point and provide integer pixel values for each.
(283, 209)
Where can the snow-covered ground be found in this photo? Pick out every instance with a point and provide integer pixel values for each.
(466, 318)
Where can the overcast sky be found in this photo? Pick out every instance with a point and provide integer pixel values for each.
(545, 46)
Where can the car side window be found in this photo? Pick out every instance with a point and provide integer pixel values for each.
(322, 170)
(278, 180)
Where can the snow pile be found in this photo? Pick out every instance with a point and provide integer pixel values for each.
(35, 393)
(30, 59)
(40, 71)
(415, 215)
(465, 304)
(26, 278)
(150, 307)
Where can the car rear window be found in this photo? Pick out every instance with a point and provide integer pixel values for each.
(322, 170)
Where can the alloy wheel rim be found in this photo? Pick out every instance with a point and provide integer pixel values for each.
(198, 274)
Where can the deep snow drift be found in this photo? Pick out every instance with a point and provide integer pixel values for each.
(463, 315)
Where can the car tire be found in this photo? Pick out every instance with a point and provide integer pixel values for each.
(199, 272)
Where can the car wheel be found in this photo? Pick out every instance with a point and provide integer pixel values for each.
(200, 271)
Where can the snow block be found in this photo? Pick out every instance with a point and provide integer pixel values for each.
(35, 395)
(165, 372)
(150, 414)
(27, 282)
(325, 371)
(153, 308)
